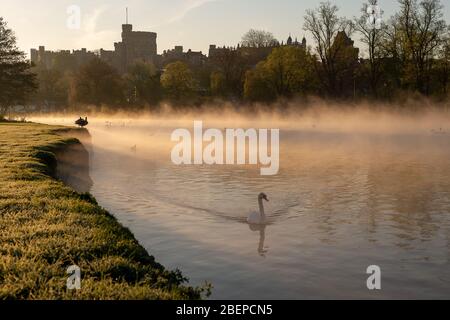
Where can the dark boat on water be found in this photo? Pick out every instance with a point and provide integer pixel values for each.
(82, 122)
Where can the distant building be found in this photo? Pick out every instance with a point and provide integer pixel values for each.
(343, 40)
(347, 57)
(142, 46)
(49, 59)
(253, 54)
(193, 58)
(290, 42)
(135, 46)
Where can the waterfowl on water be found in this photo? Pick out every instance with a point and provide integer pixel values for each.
(258, 218)
(440, 131)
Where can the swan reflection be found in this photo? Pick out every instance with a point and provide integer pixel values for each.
(262, 250)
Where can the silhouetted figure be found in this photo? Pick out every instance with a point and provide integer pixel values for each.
(82, 122)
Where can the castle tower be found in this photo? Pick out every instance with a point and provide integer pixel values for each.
(289, 41)
(126, 28)
(135, 46)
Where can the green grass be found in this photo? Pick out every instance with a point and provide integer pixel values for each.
(45, 227)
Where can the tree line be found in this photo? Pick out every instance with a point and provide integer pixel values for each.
(404, 54)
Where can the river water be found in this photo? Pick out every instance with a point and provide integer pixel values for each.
(342, 201)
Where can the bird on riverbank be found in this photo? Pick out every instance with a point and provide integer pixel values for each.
(259, 218)
(82, 122)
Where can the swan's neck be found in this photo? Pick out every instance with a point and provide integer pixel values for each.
(261, 208)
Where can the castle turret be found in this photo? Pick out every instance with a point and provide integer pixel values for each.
(289, 41)
(127, 28)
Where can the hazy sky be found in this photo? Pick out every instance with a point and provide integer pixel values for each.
(192, 23)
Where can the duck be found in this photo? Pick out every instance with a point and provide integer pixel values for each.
(258, 218)
(82, 122)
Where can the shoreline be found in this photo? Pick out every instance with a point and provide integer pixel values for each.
(74, 161)
(47, 227)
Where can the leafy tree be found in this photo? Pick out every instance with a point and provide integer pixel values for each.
(287, 71)
(143, 84)
(17, 81)
(232, 65)
(258, 39)
(97, 83)
(202, 78)
(290, 70)
(257, 86)
(53, 87)
(64, 62)
(218, 83)
(178, 81)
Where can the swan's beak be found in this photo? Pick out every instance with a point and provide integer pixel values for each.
(265, 198)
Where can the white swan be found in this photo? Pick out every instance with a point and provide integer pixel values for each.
(258, 217)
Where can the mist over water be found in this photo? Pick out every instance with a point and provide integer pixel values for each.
(355, 188)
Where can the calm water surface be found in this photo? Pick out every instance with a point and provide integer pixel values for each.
(340, 203)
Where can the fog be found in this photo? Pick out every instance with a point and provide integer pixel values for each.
(319, 128)
(419, 116)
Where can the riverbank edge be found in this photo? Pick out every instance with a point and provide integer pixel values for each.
(143, 279)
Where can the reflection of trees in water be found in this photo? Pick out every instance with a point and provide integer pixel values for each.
(332, 188)
(408, 193)
(374, 184)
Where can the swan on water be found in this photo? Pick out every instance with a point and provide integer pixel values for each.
(258, 217)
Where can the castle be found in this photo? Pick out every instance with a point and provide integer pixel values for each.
(141, 46)
(253, 54)
(135, 46)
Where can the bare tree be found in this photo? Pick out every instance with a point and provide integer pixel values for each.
(325, 25)
(393, 52)
(443, 67)
(258, 39)
(372, 33)
(423, 29)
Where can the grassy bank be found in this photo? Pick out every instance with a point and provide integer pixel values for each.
(45, 227)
